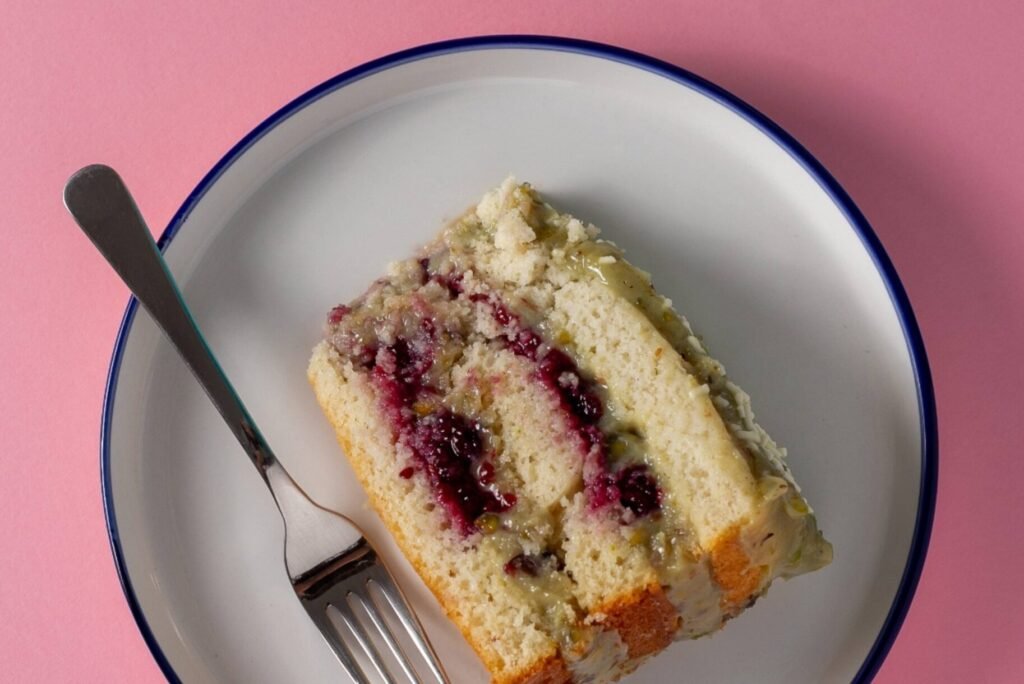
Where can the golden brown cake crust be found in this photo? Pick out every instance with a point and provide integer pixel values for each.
(645, 620)
(730, 566)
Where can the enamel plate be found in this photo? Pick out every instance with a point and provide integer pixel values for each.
(750, 237)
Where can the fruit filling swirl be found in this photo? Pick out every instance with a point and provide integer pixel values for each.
(626, 482)
(407, 331)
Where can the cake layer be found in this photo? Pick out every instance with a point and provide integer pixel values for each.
(706, 475)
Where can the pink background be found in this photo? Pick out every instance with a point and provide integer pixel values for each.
(914, 106)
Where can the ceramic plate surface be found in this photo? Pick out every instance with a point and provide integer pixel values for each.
(748, 235)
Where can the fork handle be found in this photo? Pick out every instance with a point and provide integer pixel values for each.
(104, 209)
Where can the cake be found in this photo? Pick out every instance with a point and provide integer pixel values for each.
(554, 450)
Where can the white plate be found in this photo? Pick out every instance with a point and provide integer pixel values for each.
(741, 227)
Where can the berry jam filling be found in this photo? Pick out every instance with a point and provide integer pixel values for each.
(399, 351)
(398, 372)
(451, 282)
(632, 487)
(337, 313)
(533, 565)
(637, 490)
(450, 449)
(447, 447)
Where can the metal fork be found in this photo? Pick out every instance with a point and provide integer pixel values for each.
(329, 561)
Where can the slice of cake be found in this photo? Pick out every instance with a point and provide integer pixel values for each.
(569, 471)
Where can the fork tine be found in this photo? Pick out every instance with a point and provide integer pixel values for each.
(330, 634)
(352, 623)
(393, 594)
(371, 609)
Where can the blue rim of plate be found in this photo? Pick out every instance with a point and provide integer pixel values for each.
(912, 334)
